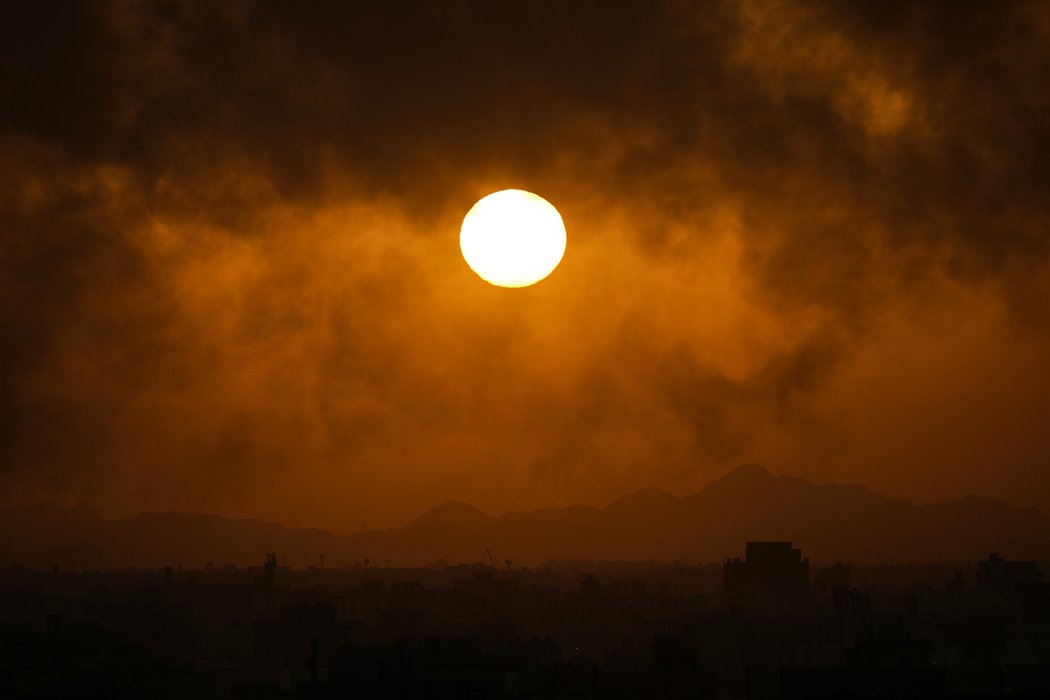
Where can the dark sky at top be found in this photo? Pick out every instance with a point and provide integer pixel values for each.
(812, 235)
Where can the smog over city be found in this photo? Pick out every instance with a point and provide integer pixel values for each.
(547, 349)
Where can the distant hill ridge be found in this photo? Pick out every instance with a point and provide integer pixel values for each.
(829, 521)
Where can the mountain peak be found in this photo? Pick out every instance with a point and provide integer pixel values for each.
(744, 482)
(457, 514)
(828, 521)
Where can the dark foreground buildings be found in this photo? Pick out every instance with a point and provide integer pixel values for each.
(642, 630)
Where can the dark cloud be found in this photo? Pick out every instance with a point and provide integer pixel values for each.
(230, 279)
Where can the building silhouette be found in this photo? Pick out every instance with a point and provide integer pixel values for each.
(570, 630)
(771, 572)
(998, 577)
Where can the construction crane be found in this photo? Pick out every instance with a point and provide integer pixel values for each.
(492, 562)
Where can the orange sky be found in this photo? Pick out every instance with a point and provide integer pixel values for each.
(808, 235)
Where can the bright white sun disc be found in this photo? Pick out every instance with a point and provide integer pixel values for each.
(512, 238)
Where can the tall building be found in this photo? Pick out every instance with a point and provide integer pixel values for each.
(770, 571)
(1004, 578)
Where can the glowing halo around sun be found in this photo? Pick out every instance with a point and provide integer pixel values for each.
(512, 238)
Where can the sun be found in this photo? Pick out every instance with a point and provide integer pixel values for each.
(512, 238)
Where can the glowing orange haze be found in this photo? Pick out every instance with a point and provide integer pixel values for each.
(783, 251)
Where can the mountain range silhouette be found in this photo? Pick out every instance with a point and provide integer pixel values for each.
(829, 522)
